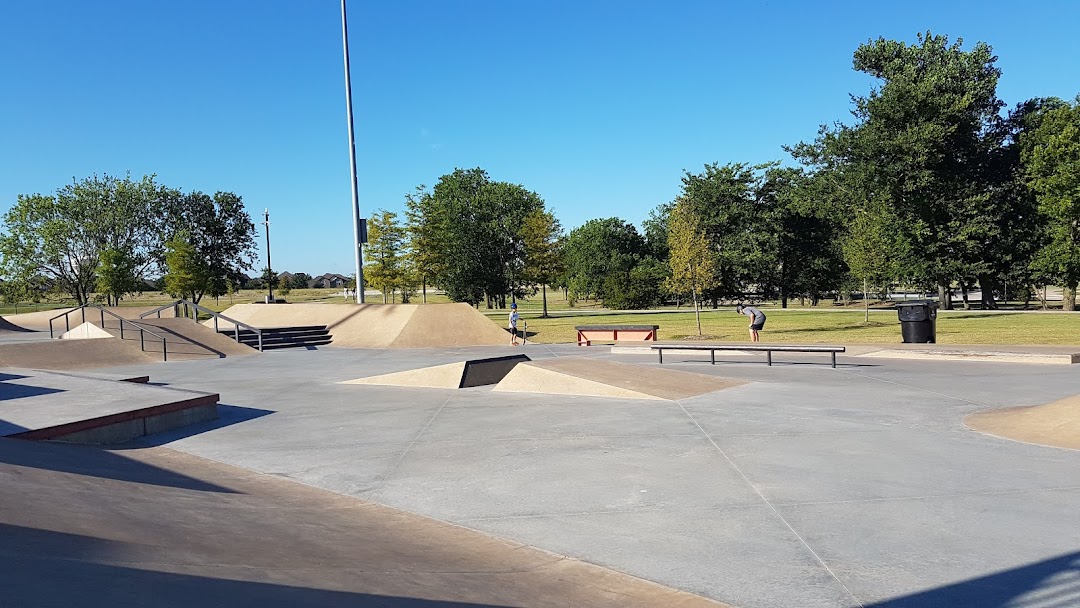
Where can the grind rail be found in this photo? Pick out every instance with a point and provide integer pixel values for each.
(191, 311)
(143, 330)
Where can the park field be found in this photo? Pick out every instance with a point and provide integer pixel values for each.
(826, 324)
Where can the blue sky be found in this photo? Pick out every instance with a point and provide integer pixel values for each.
(598, 106)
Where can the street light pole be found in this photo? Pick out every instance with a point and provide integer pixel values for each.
(358, 256)
(269, 268)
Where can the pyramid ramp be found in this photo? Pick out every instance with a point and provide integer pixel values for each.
(464, 374)
(86, 331)
(1055, 424)
(589, 377)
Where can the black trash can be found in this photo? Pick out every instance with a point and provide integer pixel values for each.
(918, 321)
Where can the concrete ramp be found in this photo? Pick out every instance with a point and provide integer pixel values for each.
(591, 377)
(1055, 424)
(464, 374)
(379, 325)
(8, 326)
(73, 354)
(35, 321)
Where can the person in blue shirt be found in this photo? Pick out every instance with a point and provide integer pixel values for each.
(757, 320)
(513, 323)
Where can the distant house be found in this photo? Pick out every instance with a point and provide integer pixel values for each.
(287, 277)
(329, 281)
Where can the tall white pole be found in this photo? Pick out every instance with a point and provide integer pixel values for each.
(352, 163)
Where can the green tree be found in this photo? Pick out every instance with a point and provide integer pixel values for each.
(691, 261)
(468, 235)
(923, 144)
(218, 228)
(599, 256)
(385, 268)
(543, 242)
(1051, 154)
(116, 276)
(300, 280)
(736, 225)
(186, 273)
(61, 237)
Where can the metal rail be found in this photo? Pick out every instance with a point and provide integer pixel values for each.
(193, 309)
(103, 311)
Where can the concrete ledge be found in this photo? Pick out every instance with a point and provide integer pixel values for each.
(977, 355)
(124, 426)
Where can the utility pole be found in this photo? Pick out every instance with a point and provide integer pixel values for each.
(352, 163)
(269, 268)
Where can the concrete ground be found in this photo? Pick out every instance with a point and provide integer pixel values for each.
(83, 526)
(807, 486)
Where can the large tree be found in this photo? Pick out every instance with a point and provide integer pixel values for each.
(736, 224)
(220, 232)
(469, 232)
(923, 144)
(63, 237)
(599, 257)
(1052, 158)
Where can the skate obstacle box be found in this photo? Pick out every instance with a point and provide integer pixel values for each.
(463, 374)
(587, 334)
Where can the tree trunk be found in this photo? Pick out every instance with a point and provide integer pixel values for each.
(543, 289)
(697, 311)
(866, 303)
(783, 297)
(945, 296)
(987, 285)
(964, 295)
(423, 282)
(1068, 297)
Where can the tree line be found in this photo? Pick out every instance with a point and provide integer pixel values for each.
(104, 234)
(932, 186)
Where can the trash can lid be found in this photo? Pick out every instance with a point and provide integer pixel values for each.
(918, 303)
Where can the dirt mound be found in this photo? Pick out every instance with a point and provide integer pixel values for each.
(379, 325)
(1055, 424)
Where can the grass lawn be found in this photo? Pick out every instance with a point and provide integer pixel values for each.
(827, 326)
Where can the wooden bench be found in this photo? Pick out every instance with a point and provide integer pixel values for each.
(586, 334)
(768, 349)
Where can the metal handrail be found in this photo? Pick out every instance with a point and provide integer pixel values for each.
(195, 308)
(103, 311)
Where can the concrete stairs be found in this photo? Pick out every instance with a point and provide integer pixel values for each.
(302, 336)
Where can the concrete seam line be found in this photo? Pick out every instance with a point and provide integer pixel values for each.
(771, 506)
(842, 371)
(817, 503)
(390, 471)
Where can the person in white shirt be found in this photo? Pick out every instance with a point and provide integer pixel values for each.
(513, 323)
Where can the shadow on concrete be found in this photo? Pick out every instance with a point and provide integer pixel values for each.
(46, 568)
(6, 377)
(228, 415)
(19, 391)
(95, 462)
(1051, 583)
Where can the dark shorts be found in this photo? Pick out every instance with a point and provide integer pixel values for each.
(758, 326)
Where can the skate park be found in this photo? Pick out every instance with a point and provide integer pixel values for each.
(580, 476)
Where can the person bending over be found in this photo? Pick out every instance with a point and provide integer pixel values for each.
(757, 320)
